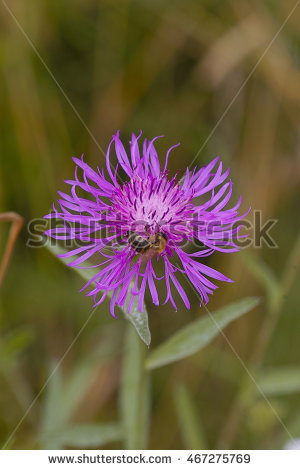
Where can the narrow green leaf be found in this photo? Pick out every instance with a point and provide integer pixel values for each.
(135, 393)
(198, 334)
(75, 388)
(87, 435)
(280, 381)
(138, 319)
(62, 399)
(64, 395)
(51, 418)
(53, 392)
(190, 426)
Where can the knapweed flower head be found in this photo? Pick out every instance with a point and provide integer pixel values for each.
(137, 215)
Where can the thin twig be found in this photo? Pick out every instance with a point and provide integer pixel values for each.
(17, 222)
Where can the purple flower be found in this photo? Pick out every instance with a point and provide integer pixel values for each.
(149, 218)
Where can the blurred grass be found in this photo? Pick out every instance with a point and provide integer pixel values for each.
(169, 69)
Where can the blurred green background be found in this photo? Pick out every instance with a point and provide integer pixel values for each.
(169, 68)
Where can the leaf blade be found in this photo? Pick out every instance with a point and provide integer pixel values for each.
(198, 334)
(280, 381)
(139, 320)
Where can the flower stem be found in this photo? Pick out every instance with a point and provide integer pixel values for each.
(135, 392)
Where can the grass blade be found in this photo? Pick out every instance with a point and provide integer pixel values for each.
(190, 427)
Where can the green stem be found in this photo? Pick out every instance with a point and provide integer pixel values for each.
(135, 392)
